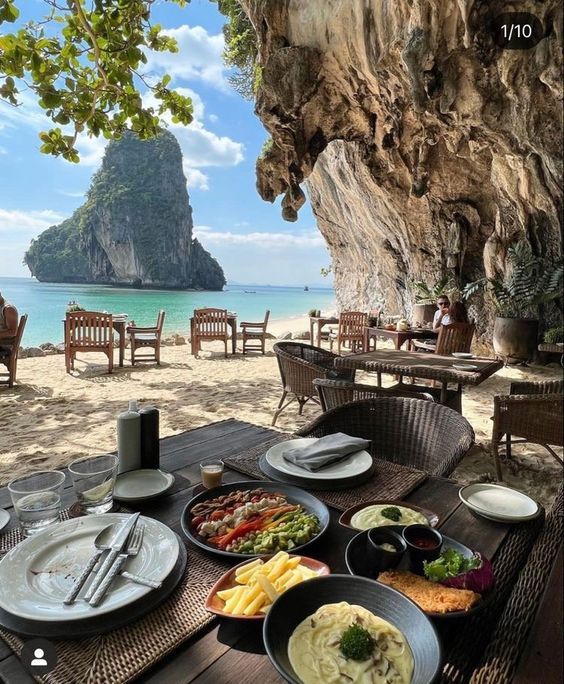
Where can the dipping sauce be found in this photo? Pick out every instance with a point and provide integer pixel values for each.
(422, 543)
(212, 473)
(388, 547)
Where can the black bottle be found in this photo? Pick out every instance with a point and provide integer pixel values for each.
(150, 450)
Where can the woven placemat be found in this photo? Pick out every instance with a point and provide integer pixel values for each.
(389, 481)
(123, 654)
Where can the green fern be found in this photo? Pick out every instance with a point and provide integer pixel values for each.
(528, 282)
(425, 294)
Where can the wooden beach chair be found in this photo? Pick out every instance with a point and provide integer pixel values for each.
(209, 325)
(253, 333)
(88, 331)
(9, 348)
(146, 338)
(351, 331)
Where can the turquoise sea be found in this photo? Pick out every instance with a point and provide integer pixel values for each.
(46, 303)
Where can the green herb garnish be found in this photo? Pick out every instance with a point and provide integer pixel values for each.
(449, 564)
(392, 513)
(357, 643)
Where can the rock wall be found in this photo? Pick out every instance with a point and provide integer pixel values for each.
(426, 148)
(135, 227)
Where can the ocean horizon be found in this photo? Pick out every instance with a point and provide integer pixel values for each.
(46, 304)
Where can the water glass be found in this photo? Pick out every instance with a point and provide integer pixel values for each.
(212, 473)
(93, 480)
(37, 499)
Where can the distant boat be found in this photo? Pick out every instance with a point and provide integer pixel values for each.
(250, 291)
(306, 288)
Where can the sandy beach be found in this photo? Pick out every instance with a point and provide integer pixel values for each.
(51, 418)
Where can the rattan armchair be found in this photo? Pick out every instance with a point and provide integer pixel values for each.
(146, 338)
(334, 393)
(411, 432)
(300, 364)
(9, 348)
(533, 411)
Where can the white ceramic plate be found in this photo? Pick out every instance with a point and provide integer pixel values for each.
(499, 503)
(356, 464)
(139, 485)
(36, 575)
(4, 518)
(465, 366)
(462, 355)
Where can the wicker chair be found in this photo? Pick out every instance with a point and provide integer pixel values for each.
(533, 411)
(88, 331)
(351, 330)
(209, 325)
(9, 348)
(254, 333)
(411, 432)
(334, 393)
(147, 338)
(300, 364)
(509, 641)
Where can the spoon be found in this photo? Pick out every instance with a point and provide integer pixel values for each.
(102, 542)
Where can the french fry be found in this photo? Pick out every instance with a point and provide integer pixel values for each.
(245, 568)
(277, 570)
(254, 606)
(268, 588)
(245, 577)
(226, 593)
(233, 601)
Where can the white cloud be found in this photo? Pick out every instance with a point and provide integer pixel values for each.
(261, 239)
(3, 150)
(67, 193)
(213, 118)
(199, 57)
(91, 150)
(16, 221)
(195, 179)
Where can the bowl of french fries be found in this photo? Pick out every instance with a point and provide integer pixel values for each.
(247, 590)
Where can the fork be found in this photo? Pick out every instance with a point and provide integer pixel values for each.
(133, 548)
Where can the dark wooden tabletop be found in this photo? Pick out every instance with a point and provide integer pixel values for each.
(421, 365)
(232, 651)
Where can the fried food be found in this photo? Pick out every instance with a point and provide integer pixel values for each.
(429, 596)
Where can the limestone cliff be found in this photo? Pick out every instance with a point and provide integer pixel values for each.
(426, 148)
(135, 227)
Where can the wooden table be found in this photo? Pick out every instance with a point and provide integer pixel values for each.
(231, 322)
(421, 365)
(399, 337)
(316, 323)
(120, 326)
(230, 650)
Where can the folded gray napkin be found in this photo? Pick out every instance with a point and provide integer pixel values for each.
(325, 451)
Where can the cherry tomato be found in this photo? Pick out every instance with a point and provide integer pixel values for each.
(217, 515)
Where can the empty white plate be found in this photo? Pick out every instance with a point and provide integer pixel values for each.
(465, 366)
(462, 355)
(4, 518)
(139, 485)
(356, 464)
(499, 503)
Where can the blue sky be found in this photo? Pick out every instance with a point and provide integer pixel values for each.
(246, 234)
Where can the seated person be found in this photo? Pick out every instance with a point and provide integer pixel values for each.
(441, 316)
(457, 313)
(8, 323)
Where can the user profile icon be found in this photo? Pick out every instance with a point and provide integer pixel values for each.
(39, 656)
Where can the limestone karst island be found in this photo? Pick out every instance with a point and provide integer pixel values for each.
(135, 227)
(281, 342)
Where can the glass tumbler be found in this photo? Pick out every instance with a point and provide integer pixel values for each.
(212, 473)
(93, 480)
(37, 499)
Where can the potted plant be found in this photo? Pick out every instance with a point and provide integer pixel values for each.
(426, 298)
(528, 282)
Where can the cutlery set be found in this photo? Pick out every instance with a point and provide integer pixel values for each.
(121, 541)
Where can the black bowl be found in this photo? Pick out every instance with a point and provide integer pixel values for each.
(378, 557)
(294, 495)
(418, 555)
(302, 600)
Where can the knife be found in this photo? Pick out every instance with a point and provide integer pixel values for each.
(116, 545)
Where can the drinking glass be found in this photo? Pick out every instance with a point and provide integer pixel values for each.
(93, 480)
(37, 499)
(212, 473)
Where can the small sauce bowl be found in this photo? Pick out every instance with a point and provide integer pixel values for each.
(381, 558)
(423, 544)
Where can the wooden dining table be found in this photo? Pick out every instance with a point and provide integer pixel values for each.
(316, 324)
(232, 650)
(421, 365)
(398, 337)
